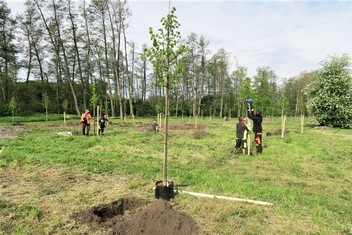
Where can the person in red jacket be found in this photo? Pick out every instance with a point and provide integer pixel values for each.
(85, 122)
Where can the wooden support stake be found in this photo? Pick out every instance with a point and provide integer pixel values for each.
(64, 117)
(98, 117)
(283, 126)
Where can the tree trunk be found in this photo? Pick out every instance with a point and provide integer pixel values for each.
(127, 72)
(74, 36)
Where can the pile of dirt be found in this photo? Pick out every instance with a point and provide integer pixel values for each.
(130, 216)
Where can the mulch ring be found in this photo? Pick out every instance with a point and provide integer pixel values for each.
(178, 127)
(187, 126)
(137, 216)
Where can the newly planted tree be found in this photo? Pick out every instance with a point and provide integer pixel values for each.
(13, 107)
(46, 105)
(164, 56)
(94, 101)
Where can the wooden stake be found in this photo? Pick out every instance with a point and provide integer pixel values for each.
(64, 117)
(283, 126)
(159, 116)
(98, 114)
(302, 123)
(248, 136)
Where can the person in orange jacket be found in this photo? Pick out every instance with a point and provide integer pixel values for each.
(85, 122)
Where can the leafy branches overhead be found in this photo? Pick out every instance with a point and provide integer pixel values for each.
(166, 49)
(330, 94)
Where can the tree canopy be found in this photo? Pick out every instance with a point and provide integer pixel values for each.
(65, 49)
(330, 93)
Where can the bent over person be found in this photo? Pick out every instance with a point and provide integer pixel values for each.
(257, 128)
(85, 122)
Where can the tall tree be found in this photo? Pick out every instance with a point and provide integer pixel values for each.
(220, 73)
(100, 12)
(192, 44)
(118, 12)
(7, 52)
(263, 88)
(163, 55)
(203, 51)
(73, 18)
(330, 94)
(238, 77)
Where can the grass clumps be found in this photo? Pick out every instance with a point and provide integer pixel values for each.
(46, 177)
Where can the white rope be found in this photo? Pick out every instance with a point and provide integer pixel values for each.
(229, 198)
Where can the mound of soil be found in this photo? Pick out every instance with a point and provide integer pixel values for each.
(130, 216)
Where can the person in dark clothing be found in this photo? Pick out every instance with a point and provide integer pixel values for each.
(257, 128)
(102, 124)
(241, 136)
(155, 126)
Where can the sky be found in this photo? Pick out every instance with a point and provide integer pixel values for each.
(288, 36)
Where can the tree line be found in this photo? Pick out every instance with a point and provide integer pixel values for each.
(74, 55)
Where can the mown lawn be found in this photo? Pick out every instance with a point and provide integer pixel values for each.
(45, 177)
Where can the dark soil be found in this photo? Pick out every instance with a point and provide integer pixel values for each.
(137, 216)
(187, 127)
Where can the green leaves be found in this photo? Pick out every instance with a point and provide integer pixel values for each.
(330, 93)
(166, 50)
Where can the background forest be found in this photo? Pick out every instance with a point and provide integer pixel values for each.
(64, 55)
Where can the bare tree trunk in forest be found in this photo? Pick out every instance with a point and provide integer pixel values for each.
(74, 36)
(39, 59)
(116, 53)
(201, 91)
(29, 64)
(221, 102)
(112, 106)
(127, 72)
(88, 45)
(144, 92)
(194, 91)
(57, 46)
(66, 66)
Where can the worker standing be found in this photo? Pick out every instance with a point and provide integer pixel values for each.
(241, 136)
(85, 122)
(257, 128)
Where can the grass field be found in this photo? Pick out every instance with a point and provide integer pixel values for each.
(45, 177)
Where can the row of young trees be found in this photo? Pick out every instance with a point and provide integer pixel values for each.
(76, 54)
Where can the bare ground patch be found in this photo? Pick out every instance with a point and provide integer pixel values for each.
(74, 202)
(10, 132)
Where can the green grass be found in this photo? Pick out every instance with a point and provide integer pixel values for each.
(307, 176)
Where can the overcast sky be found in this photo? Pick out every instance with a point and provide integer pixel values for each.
(288, 36)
